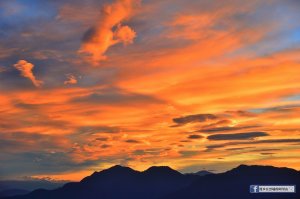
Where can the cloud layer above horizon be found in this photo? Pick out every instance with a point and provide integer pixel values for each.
(86, 84)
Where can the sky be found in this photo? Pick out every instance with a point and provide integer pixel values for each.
(87, 84)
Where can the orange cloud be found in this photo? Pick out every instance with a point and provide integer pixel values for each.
(124, 34)
(71, 79)
(109, 30)
(26, 71)
(200, 68)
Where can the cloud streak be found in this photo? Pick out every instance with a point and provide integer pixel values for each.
(237, 136)
(116, 96)
(225, 129)
(270, 141)
(194, 118)
(195, 137)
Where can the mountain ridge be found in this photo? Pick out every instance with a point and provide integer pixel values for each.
(162, 182)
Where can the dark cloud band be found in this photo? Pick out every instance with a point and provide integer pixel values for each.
(237, 136)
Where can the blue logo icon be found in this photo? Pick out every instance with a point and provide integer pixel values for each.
(272, 189)
(254, 189)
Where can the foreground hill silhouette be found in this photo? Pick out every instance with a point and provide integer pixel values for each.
(165, 183)
(234, 184)
(12, 192)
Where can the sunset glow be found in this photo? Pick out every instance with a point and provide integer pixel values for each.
(88, 84)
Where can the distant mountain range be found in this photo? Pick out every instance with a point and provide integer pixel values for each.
(18, 187)
(201, 173)
(165, 183)
(29, 185)
(12, 192)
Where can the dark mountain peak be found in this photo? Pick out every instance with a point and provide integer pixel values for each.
(260, 170)
(203, 173)
(117, 166)
(117, 169)
(244, 166)
(161, 170)
(200, 173)
(114, 171)
(241, 167)
(254, 167)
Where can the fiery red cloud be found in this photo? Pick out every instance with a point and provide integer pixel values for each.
(196, 84)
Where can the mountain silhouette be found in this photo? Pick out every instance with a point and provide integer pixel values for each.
(234, 184)
(29, 184)
(201, 173)
(120, 182)
(12, 192)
